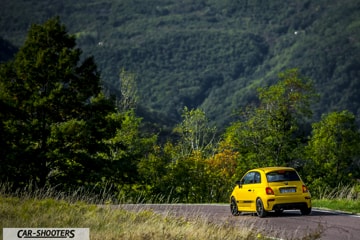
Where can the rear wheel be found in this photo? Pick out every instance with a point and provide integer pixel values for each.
(260, 208)
(234, 208)
(305, 211)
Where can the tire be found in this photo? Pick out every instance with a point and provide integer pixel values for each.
(234, 208)
(305, 211)
(260, 208)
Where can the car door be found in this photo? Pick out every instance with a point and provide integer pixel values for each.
(245, 196)
(256, 188)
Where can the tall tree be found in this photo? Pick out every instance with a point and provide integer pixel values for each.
(128, 90)
(186, 177)
(333, 150)
(52, 98)
(195, 132)
(222, 173)
(268, 134)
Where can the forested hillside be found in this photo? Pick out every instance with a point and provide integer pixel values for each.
(208, 54)
(61, 130)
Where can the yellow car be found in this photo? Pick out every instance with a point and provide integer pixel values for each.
(270, 189)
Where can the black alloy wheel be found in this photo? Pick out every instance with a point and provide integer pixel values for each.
(260, 208)
(234, 208)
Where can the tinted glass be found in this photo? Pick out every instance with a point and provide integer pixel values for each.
(248, 178)
(251, 177)
(279, 176)
(257, 178)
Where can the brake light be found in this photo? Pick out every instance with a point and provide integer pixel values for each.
(305, 189)
(269, 191)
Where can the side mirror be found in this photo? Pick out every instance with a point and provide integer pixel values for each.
(238, 183)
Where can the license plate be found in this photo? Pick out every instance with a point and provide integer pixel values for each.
(287, 190)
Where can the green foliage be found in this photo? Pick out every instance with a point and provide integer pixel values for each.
(126, 148)
(195, 132)
(222, 173)
(59, 129)
(269, 134)
(208, 54)
(43, 86)
(346, 205)
(128, 90)
(185, 171)
(188, 179)
(288, 100)
(333, 150)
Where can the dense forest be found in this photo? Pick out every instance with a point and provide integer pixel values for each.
(208, 54)
(87, 88)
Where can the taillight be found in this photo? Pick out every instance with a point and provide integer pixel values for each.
(269, 191)
(305, 189)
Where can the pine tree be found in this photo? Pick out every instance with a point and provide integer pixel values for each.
(53, 111)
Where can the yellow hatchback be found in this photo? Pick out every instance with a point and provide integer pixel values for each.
(270, 189)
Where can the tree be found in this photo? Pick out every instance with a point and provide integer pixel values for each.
(57, 111)
(127, 148)
(222, 173)
(284, 107)
(195, 132)
(78, 148)
(269, 134)
(182, 166)
(333, 150)
(128, 90)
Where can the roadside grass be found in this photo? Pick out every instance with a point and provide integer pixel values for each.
(48, 208)
(107, 223)
(341, 198)
(350, 206)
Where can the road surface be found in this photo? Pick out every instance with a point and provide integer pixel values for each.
(329, 225)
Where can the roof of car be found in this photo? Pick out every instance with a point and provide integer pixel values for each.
(270, 169)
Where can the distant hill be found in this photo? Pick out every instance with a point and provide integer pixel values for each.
(208, 54)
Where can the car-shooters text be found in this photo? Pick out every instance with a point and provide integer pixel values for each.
(41, 233)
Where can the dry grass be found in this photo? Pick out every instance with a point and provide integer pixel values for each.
(341, 192)
(107, 223)
(47, 208)
(343, 198)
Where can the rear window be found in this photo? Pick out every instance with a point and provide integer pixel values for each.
(282, 175)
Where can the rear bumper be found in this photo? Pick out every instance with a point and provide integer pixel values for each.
(289, 206)
(282, 203)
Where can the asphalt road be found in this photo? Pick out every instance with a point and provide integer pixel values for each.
(328, 225)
